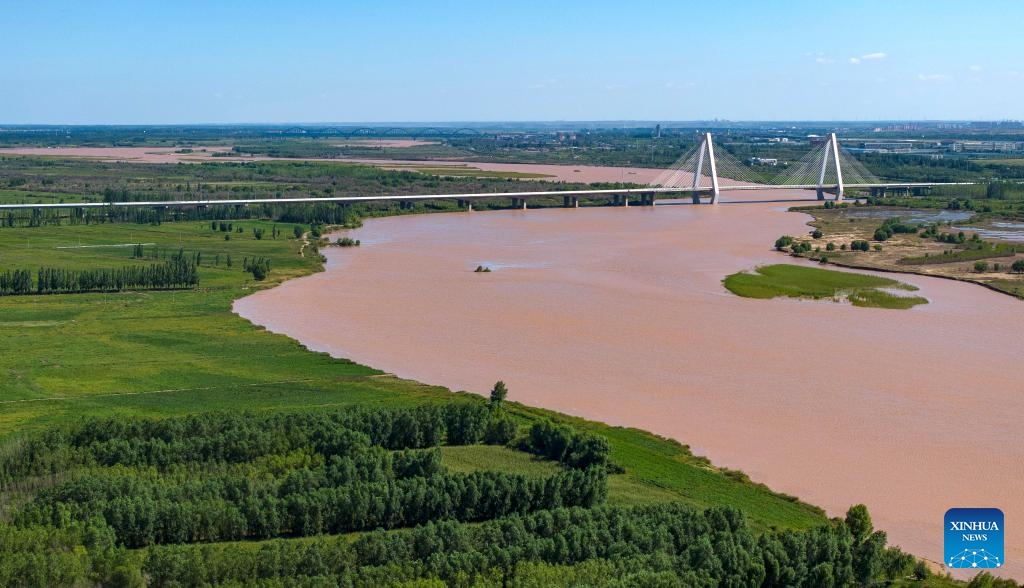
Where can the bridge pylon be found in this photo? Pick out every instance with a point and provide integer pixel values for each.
(705, 151)
(831, 151)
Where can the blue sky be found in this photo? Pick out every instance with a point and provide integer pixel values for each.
(205, 62)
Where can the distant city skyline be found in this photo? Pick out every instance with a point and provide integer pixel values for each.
(190, 62)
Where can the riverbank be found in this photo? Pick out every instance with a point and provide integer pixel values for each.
(914, 252)
(164, 353)
(622, 312)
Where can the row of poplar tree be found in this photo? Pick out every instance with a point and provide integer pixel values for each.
(176, 273)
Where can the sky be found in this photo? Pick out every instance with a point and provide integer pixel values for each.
(183, 62)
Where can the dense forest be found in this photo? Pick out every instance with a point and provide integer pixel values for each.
(126, 501)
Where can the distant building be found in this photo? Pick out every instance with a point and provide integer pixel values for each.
(763, 161)
(887, 146)
(986, 146)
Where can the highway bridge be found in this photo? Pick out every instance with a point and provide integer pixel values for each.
(698, 174)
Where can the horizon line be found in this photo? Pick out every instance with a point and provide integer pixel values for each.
(6, 125)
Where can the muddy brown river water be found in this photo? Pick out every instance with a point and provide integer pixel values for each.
(619, 315)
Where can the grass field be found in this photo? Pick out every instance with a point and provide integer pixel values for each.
(474, 458)
(37, 197)
(164, 353)
(807, 282)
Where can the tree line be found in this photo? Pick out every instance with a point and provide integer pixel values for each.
(177, 273)
(666, 544)
(222, 437)
(145, 510)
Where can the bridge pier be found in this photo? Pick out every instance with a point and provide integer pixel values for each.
(571, 201)
(519, 203)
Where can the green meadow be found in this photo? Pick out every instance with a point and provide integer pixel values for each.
(163, 353)
(795, 281)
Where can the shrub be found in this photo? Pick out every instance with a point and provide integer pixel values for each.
(1018, 266)
(816, 234)
(783, 241)
(981, 266)
(921, 571)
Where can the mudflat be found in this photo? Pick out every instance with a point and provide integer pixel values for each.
(619, 315)
(130, 154)
(544, 172)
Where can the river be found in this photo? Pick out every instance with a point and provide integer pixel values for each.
(619, 315)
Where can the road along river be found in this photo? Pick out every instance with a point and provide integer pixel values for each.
(619, 315)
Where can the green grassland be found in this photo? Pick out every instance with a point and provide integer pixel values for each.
(476, 458)
(165, 353)
(807, 282)
(30, 197)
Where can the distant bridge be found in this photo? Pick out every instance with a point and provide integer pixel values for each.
(697, 174)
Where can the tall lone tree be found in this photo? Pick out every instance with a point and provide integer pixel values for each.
(498, 394)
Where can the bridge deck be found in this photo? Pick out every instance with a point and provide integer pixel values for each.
(471, 196)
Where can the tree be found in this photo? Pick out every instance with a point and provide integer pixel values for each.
(1018, 266)
(858, 520)
(498, 394)
(501, 430)
(981, 266)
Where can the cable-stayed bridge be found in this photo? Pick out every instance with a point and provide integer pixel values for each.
(701, 172)
(828, 169)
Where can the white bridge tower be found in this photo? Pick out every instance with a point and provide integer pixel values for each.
(831, 151)
(707, 150)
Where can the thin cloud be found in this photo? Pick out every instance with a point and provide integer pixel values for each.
(868, 57)
(824, 60)
(975, 68)
(934, 77)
